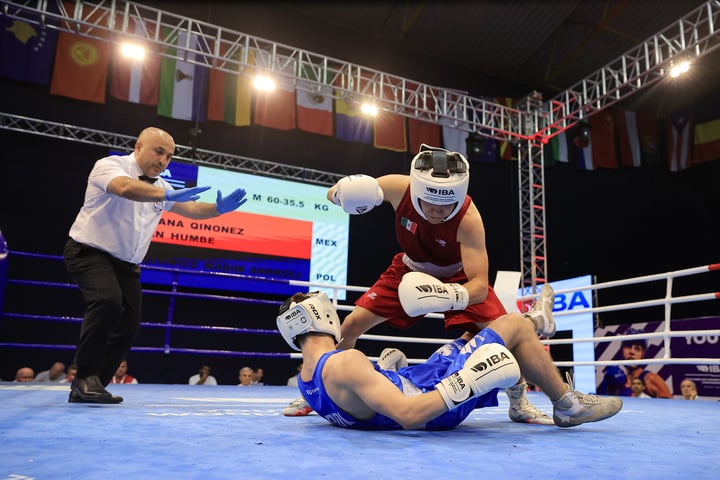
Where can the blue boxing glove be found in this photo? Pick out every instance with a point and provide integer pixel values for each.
(231, 202)
(185, 194)
(613, 380)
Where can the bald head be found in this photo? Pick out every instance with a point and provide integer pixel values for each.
(25, 374)
(154, 149)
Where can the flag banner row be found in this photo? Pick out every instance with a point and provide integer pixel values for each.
(86, 69)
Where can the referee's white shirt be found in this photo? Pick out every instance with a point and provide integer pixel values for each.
(121, 227)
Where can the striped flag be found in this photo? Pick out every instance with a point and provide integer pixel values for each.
(136, 81)
(314, 105)
(628, 138)
(230, 95)
(680, 141)
(707, 136)
(183, 85)
(352, 125)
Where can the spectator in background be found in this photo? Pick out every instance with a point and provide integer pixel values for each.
(617, 381)
(258, 377)
(121, 375)
(55, 374)
(70, 374)
(203, 377)
(638, 386)
(688, 389)
(24, 375)
(245, 376)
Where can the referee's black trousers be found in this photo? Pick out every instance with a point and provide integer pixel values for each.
(112, 293)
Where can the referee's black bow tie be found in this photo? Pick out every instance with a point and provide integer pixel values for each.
(147, 179)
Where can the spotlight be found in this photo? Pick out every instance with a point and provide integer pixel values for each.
(679, 69)
(369, 109)
(474, 143)
(581, 135)
(264, 84)
(132, 51)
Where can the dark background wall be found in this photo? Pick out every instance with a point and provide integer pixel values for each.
(613, 224)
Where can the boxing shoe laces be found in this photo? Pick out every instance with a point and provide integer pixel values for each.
(541, 312)
(297, 408)
(521, 410)
(575, 408)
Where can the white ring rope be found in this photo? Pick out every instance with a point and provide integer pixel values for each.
(667, 301)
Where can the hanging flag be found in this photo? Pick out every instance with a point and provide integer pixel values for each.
(276, 109)
(26, 50)
(649, 142)
(352, 125)
(707, 136)
(601, 152)
(389, 132)
(680, 141)
(453, 139)
(314, 105)
(422, 131)
(628, 138)
(183, 85)
(136, 80)
(230, 94)
(81, 67)
(560, 149)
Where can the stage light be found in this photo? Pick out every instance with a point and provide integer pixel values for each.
(369, 109)
(679, 69)
(475, 143)
(132, 51)
(263, 83)
(581, 134)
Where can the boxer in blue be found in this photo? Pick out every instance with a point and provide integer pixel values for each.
(348, 390)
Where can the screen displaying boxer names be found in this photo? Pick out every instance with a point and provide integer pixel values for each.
(285, 231)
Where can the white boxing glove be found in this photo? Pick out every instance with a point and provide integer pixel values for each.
(490, 366)
(421, 294)
(357, 194)
(392, 359)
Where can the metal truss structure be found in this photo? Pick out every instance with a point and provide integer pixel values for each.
(530, 124)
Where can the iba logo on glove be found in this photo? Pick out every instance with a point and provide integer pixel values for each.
(433, 288)
(491, 361)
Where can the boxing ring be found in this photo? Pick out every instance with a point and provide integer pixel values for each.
(181, 431)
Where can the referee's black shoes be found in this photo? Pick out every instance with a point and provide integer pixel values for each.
(90, 390)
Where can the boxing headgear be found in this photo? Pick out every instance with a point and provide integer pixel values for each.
(439, 177)
(314, 314)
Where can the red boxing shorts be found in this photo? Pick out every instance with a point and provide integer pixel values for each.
(382, 299)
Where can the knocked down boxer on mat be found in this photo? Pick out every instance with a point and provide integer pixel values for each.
(443, 267)
(348, 390)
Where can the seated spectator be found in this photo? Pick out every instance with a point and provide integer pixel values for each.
(121, 375)
(203, 377)
(25, 374)
(637, 385)
(292, 381)
(245, 375)
(688, 389)
(70, 374)
(258, 377)
(56, 374)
